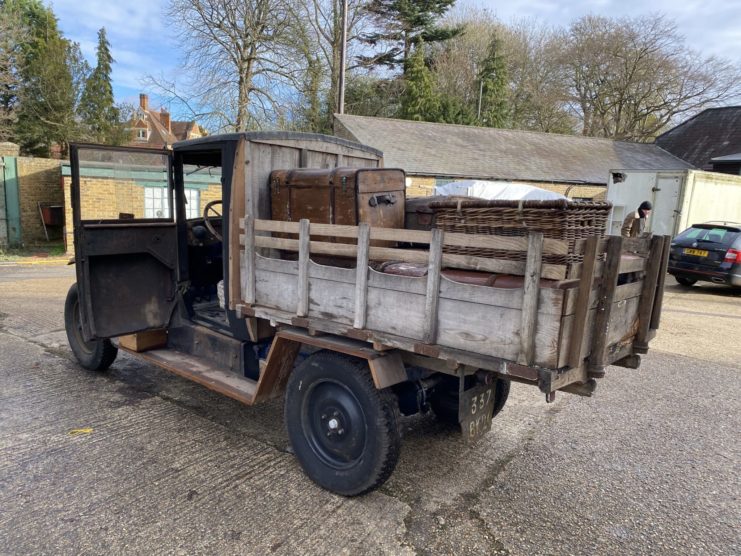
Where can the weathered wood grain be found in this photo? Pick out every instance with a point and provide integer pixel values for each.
(659, 297)
(530, 298)
(361, 279)
(606, 296)
(248, 270)
(582, 301)
(632, 264)
(432, 296)
(648, 292)
(505, 243)
(236, 215)
(304, 255)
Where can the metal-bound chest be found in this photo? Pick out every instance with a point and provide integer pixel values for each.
(350, 196)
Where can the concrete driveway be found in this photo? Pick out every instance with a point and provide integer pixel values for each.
(139, 461)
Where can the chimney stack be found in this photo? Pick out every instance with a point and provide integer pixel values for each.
(143, 101)
(165, 119)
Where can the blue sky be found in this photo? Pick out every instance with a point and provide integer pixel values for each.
(143, 42)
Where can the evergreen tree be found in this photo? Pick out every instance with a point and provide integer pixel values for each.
(47, 99)
(419, 101)
(494, 83)
(45, 102)
(373, 96)
(402, 24)
(24, 25)
(452, 110)
(99, 114)
(11, 36)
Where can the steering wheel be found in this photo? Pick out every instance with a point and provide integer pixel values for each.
(209, 208)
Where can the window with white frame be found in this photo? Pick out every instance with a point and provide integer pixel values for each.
(141, 134)
(156, 204)
(192, 203)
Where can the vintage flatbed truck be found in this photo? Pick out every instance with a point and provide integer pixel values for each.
(352, 348)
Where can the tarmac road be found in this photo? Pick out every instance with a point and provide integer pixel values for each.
(140, 461)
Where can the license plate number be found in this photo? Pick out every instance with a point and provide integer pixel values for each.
(475, 411)
(696, 252)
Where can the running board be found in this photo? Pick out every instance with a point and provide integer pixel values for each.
(199, 370)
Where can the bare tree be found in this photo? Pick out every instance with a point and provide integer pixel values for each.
(631, 77)
(238, 61)
(538, 93)
(317, 31)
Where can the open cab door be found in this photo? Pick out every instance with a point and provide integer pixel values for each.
(125, 239)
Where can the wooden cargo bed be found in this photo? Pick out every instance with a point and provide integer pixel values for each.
(557, 331)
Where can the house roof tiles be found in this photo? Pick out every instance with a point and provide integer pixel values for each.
(712, 133)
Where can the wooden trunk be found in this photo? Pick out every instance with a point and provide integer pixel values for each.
(349, 196)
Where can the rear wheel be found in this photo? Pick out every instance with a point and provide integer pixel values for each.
(343, 430)
(444, 402)
(684, 281)
(95, 355)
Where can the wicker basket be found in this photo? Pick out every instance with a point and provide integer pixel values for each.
(566, 220)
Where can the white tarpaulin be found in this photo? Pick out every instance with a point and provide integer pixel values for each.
(499, 190)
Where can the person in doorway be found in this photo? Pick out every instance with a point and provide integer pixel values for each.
(635, 223)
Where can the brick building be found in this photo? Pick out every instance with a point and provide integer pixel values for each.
(434, 154)
(155, 129)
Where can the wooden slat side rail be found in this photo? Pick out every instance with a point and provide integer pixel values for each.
(504, 243)
(606, 297)
(432, 299)
(582, 301)
(630, 245)
(659, 297)
(648, 293)
(530, 298)
(467, 262)
(632, 264)
(304, 256)
(248, 268)
(361, 276)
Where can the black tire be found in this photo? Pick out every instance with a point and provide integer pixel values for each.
(343, 430)
(684, 281)
(96, 355)
(444, 402)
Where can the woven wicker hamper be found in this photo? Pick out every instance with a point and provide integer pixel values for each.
(565, 220)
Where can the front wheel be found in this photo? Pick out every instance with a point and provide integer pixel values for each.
(343, 430)
(95, 355)
(687, 282)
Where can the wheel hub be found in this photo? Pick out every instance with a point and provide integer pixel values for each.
(335, 424)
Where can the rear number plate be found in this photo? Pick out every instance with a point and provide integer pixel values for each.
(475, 411)
(696, 252)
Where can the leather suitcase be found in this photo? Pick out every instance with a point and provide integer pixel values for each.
(349, 196)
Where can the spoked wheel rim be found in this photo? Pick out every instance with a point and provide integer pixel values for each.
(87, 347)
(334, 424)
